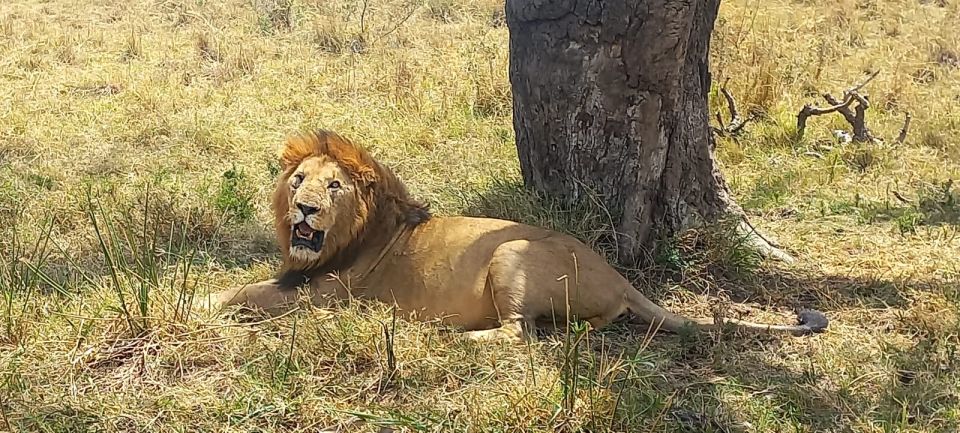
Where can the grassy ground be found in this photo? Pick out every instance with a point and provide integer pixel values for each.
(136, 156)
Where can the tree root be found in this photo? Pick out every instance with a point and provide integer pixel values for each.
(767, 248)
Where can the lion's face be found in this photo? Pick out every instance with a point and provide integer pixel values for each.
(331, 197)
(322, 199)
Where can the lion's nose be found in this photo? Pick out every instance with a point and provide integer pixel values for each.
(307, 210)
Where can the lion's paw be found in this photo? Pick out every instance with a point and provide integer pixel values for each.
(495, 334)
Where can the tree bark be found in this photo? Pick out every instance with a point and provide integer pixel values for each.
(610, 98)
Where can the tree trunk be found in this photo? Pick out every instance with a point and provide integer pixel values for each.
(610, 98)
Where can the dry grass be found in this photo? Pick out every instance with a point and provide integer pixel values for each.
(158, 119)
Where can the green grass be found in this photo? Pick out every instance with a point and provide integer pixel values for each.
(137, 156)
(233, 198)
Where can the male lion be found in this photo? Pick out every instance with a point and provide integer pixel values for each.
(348, 227)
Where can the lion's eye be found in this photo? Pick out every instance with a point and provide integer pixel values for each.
(297, 180)
(334, 185)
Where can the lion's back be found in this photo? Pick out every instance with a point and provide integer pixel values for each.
(453, 250)
(472, 235)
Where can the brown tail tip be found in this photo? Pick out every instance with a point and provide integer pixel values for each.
(815, 321)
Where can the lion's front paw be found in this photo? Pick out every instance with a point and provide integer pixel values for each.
(204, 303)
(226, 298)
(267, 296)
(506, 334)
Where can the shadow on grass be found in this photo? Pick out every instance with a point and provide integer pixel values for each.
(733, 269)
(693, 381)
(933, 206)
(925, 212)
(730, 384)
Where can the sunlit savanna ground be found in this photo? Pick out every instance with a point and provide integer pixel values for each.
(170, 112)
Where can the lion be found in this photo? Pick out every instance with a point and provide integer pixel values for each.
(348, 228)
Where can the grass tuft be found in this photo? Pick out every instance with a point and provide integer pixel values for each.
(276, 15)
(234, 198)
(133, 47)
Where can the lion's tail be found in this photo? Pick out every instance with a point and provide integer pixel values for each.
(811, 321)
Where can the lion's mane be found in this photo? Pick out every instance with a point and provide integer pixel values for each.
(383, 203)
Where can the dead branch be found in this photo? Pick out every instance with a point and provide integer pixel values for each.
(736, 123)
(900, 197)
(855, 115)
(845, 109)
(856, 88)
(363, 19)
(906, 127)
(857, 118)
(809, 110)
(399, 23)
(731, 106)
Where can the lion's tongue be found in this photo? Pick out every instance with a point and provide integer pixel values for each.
(305, 230)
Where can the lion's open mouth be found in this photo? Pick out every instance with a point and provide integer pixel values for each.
(302, 235)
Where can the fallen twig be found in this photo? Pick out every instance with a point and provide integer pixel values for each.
(900, 197)
(906, 127)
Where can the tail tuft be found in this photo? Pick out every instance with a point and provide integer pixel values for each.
(815, 321)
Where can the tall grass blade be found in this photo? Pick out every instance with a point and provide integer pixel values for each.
(111, 260)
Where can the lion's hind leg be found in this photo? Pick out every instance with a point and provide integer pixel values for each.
(507, 284)
(552, 278)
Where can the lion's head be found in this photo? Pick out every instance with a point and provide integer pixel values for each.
(331, 198)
